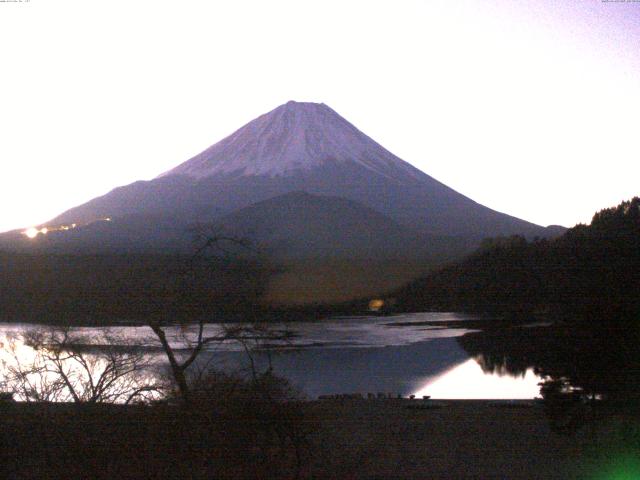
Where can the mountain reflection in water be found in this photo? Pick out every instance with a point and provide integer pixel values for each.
(589, 366)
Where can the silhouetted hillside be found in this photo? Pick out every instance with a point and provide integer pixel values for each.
(301, 225)
(590, 270)
(112, 288)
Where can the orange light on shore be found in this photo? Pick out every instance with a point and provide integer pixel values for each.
(376, 304)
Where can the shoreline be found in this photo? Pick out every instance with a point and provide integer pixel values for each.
(367, 439)
(484, 439)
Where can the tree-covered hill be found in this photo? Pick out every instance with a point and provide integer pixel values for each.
(111, 288)
(591, 270)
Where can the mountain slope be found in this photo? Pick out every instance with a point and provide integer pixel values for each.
(135, 233)
(294, 225)
(302, 147)
(299, 225)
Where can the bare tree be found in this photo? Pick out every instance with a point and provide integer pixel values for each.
(61, 364)
(250, 336)
(193, 341)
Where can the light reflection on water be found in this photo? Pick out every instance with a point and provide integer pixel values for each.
(468, 381)
(357, 354)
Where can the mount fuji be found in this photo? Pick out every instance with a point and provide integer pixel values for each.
(302, 182)
(301, 147)
(343, 215)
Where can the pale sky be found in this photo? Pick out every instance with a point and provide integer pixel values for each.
(530, 108)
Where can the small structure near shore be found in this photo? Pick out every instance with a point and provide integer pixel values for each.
(369, 396)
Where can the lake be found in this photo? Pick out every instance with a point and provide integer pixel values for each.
(408, 354)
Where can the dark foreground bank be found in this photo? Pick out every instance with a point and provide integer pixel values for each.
(355, 439)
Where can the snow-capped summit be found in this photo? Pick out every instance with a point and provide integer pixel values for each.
(295, 137)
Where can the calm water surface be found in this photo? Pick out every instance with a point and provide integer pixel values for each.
(357, 354)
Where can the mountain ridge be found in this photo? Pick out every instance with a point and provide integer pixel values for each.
(309, 147)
